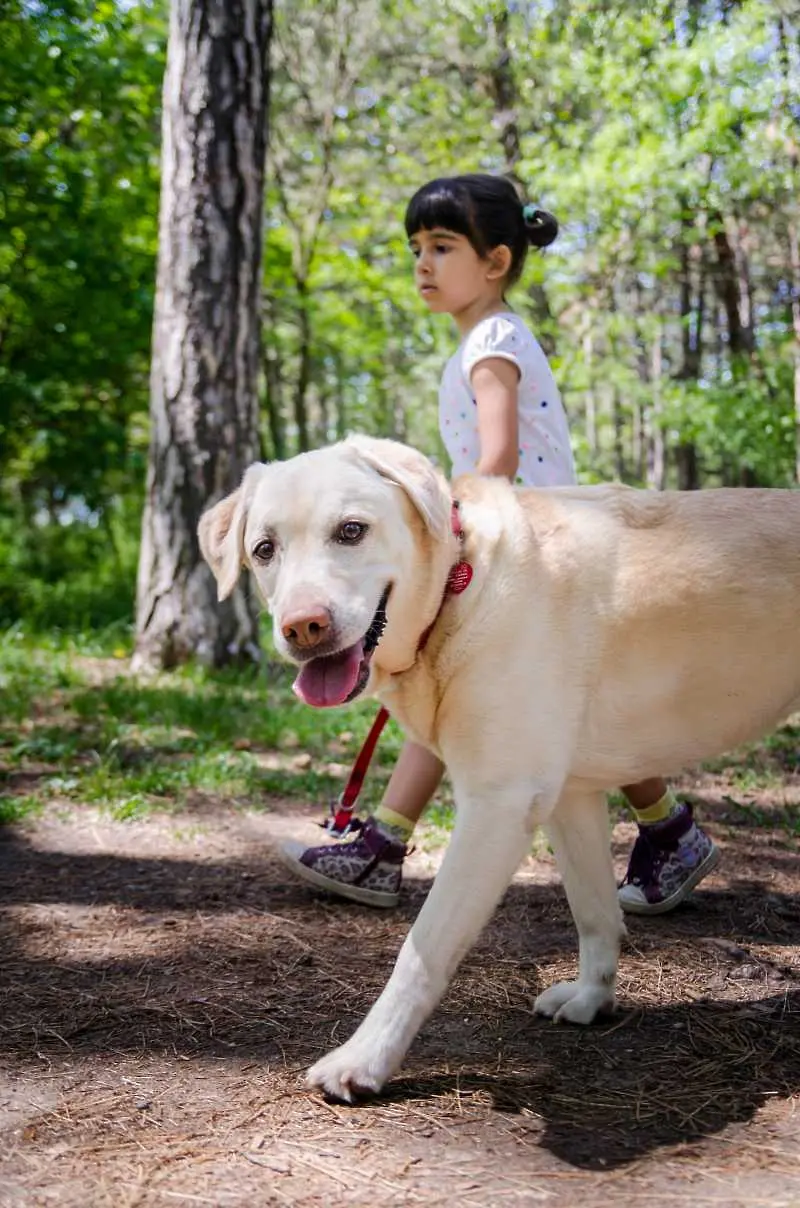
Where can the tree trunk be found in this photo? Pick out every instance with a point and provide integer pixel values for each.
(688, 469)
(733, 287)
(639, 442)
(793, 239)
(692, 308)
(639, 433)
(590, 395)
(794, 261)
(304, 368)
(505, 101)
(504, 92)
(657, 460)
(206, 331)
(619, 429)
(273, 378)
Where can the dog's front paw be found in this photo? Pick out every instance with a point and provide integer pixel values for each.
(574, 1002)
(349, 1073)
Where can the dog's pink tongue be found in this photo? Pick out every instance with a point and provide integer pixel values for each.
(329, 681)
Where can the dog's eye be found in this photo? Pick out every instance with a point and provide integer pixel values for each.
(264, 551)
(350, 532)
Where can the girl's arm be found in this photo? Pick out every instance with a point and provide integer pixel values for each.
(494, 383)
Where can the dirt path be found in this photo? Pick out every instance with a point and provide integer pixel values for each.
(163, 988)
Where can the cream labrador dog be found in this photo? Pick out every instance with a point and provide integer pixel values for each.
(607, 635)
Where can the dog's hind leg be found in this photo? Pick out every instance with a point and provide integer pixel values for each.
(491, 836)
(578, 832)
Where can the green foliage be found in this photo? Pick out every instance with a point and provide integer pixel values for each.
(72, 575)
(79, 88)
(663, 135)
(743, 423)
(649, 129)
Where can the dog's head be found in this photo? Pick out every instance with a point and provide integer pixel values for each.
(350, 547)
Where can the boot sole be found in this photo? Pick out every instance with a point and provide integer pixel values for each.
(340, 889)
(709, 864)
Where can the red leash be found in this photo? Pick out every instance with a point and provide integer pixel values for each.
(341, 821)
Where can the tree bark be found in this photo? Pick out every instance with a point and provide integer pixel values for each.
(304, 366)
(273, 378)
(688, 468)
(206, 331)
(505, 99)
(733, 287)
(503, 89)
(590, 396)
(692, 310)
(619, 429)
(794, 261)
(793, 239)
(692, 305)
(657, 459)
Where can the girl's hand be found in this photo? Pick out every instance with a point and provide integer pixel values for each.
(495, 383)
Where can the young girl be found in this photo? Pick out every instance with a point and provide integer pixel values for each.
(499, 413)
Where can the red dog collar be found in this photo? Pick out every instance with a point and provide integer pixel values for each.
(460, 575)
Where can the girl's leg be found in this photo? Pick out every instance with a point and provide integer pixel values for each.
(671, 855)
(416, 777)
(368, 867)
(651, 800)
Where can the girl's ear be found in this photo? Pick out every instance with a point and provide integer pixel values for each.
(499, 261)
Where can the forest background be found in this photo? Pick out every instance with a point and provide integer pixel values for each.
(664, 136)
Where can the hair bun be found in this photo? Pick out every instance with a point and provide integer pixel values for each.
(541, 226)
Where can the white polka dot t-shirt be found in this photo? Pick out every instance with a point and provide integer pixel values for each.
(545, 454)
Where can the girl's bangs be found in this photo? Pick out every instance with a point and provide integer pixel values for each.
(437, 206)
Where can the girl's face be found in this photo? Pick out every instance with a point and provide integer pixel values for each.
(450, 276)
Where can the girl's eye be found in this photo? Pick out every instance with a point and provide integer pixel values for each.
(442, 249)
(351, 532)
(264, 551)
(415, 252)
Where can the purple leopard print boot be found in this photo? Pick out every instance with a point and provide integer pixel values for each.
(668, 860)
(367, 868)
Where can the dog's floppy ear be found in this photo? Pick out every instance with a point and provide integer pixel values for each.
(221, 535)
(414, 473)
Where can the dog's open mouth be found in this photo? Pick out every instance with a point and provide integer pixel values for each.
(335, 679)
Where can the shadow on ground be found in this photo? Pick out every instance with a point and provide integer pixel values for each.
(103, 953)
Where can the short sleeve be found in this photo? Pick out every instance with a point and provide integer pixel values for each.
(493, 337)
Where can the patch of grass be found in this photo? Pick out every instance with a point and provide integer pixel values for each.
(14, 809)
(75, 725)
(765, 764)
(51, 744)
(437, 822)
(74, 721)
(754, 779)
(308, 784)
(749, 814)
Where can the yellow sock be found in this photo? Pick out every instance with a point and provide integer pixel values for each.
(398, 826)
(659, 811)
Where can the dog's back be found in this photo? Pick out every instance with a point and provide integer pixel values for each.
(693, 602)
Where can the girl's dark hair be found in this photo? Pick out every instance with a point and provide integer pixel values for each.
(487, 211)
